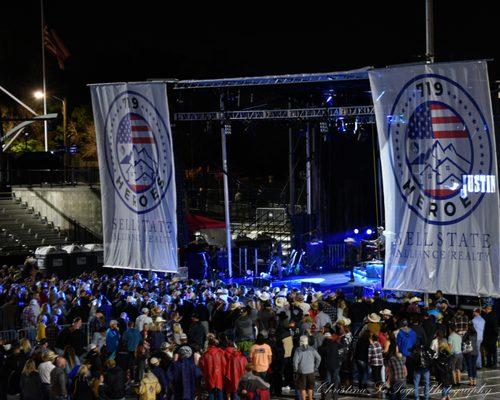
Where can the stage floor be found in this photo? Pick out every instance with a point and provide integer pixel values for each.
(327, 282)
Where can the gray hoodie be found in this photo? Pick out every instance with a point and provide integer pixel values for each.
(306, 360)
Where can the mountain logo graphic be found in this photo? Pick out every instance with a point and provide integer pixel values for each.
(439, 169)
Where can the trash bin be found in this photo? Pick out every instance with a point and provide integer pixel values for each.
(97, 250)
(80, 259)
(51, 260)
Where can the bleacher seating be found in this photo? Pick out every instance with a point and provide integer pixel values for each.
(22, 229)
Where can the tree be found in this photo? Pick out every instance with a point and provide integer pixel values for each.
(81, 132)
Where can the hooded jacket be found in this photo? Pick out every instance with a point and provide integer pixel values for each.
(306, 360)
(213, 367)
(406, 340)
(235, 369)
(149, 387)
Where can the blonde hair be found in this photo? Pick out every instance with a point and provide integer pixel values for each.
(25, 345)
(29, 367)
(176, 328)
(444, 346)
(84, 370)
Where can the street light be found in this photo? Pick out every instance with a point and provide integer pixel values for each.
(39, 94)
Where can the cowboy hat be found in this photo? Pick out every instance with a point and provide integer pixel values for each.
(264, 296)
(344, 321)
(159, 319)
(281, 302)
(235, 306)
(374, 318)
(415, 300)
(386, 312)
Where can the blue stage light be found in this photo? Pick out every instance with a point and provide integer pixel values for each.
(356, 231)
(369, 231)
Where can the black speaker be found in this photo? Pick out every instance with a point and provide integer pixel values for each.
(197, 269)
(261, 282)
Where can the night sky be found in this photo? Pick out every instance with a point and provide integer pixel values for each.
(127, 41)
(114, 41)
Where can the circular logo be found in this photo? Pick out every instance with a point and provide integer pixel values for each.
(440, 142)
(138, 152)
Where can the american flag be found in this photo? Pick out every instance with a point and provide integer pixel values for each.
(436, 121)
(135, 130)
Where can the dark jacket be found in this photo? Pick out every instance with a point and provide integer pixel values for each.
(58, 382)
(162, 378)
(114, 379)
(31, 386)
(330, 357)
(197, 334)
(490, 327)
(83, 390)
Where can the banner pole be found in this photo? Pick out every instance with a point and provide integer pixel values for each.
(429, 30)
(226, 190)
(44, 81)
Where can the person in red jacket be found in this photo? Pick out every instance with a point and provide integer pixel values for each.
(235, 369)
(213, 367)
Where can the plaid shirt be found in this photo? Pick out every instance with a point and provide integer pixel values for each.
(375, 355)
(461, 322)
(330, 310)
(396, 366)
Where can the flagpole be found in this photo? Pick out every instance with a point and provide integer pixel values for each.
(44, 83)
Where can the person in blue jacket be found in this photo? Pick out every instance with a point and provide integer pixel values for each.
(407, 339)
(112, 339)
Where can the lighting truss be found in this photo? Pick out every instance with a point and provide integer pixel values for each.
(357, 74)
(365, 114)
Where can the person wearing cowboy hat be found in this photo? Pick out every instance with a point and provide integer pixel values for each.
(373, 324)
(490, 335)
(388, 319)
(322, 318)
(244, 328)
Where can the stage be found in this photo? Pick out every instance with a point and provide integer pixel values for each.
(364, 283)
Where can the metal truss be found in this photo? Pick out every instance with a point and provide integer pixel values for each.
(365, 114)
(357, 74)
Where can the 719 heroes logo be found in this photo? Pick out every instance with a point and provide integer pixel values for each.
(138, 151)
(438, 135)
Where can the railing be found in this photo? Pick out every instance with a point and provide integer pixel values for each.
(30, 333)
(52, 177)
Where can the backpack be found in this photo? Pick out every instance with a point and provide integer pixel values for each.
(422, 357)
(467, 345)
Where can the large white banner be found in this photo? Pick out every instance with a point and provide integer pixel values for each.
(439, 168)
(136, 166)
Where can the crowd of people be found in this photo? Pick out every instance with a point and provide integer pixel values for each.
(99, 336)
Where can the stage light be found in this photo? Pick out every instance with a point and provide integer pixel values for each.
(323, 127)
(369, 231)
(356, 231)
(341, 126)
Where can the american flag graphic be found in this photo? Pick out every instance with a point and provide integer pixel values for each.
(135, 130)
(436, 121)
